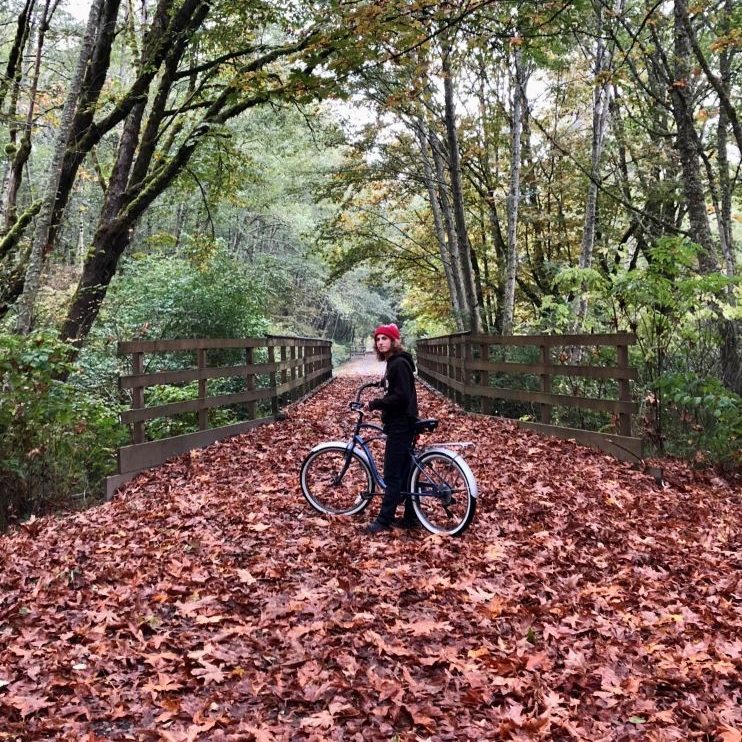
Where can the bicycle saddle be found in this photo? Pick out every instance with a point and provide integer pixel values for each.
(426, 426)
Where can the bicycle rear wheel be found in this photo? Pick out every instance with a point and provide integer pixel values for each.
(444, 492)
(330, 486)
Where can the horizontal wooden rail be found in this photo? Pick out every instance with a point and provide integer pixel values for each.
(294, 367)
(588, 372)
(459, 365)
(194, 374)
(170, 346)
(619, 338)
(195, 405)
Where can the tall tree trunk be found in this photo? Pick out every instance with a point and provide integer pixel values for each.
(487, 192)
(9, 196)
(13, 67)
(533, 187)
(84, 134)
(687, 139)
(725, 185)
(718, 83)
(511, 268)
(436, 150)
(601, 110)
(129, 192)
(44, 223)
(700, 230)
(440, 231)
(169, 27)
(474, 320)
(11, 82)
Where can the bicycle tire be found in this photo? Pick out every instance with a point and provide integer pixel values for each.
(348, 496)
(444, 492)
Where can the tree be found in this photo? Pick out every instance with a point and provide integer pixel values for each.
(519, 103)
(84, 90)
(689, 150)
(602, 90)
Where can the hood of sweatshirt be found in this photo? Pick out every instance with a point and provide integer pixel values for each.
(397, 357)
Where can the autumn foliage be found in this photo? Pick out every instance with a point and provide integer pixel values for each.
(207, 601)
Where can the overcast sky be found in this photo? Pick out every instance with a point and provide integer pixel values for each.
(78, 8)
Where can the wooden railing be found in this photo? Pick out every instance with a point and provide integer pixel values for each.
(276, 370)
(460, 367)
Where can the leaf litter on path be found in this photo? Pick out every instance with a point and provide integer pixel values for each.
(208, 601)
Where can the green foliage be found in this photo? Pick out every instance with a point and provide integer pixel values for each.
(205, 293)
(578, 279)
(669, 305)
(166, 427)
(201, 292)
(340, 354)
(673, 311)
(705, 416)
(555, 315)
(55, 442)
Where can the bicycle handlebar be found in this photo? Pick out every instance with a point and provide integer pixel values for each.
(366, 386)
(356, 405)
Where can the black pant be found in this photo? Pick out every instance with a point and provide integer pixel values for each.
(399, 435)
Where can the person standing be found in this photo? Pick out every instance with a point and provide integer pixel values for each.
(398, 409)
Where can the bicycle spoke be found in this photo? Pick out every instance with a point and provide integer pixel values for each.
(444, 502)
(334, 485)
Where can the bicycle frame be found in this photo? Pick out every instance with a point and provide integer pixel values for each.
(357, 441)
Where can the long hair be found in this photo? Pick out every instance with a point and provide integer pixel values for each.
(396, 347)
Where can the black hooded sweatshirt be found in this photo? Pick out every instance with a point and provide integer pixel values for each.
(399, 402)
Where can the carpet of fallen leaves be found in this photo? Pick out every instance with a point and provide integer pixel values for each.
(207, 601)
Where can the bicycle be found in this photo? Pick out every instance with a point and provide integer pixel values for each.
(341, 477)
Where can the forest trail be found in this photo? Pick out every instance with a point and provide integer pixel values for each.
(207, 601)
(365, 365)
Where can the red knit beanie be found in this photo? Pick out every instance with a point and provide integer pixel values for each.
(391, 331)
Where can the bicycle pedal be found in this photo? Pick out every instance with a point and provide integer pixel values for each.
(366, 495)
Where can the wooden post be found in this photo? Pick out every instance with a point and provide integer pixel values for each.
(294, 372)
(449, 366)
(284, 372)
(311, 365)
(274, 396)
(459, 369)
(624, 390)
(467, 352)
(442, 366)
(137, 396)
(488, 404)
(303, 370)
(546, 383)
(249, 359)
(203, 413)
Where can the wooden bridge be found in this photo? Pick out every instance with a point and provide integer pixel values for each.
(277, 370)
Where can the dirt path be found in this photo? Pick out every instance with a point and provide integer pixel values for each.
(365, 365)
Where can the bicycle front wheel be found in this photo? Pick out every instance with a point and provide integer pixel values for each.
(444, 492)
(336, 481)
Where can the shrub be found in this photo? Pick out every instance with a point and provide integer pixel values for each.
(705, 419)
(56, 443)
(206, 294)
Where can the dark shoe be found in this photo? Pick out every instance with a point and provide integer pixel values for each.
(406, 524)
(377, 527)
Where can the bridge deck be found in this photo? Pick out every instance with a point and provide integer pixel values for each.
(206, 601)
